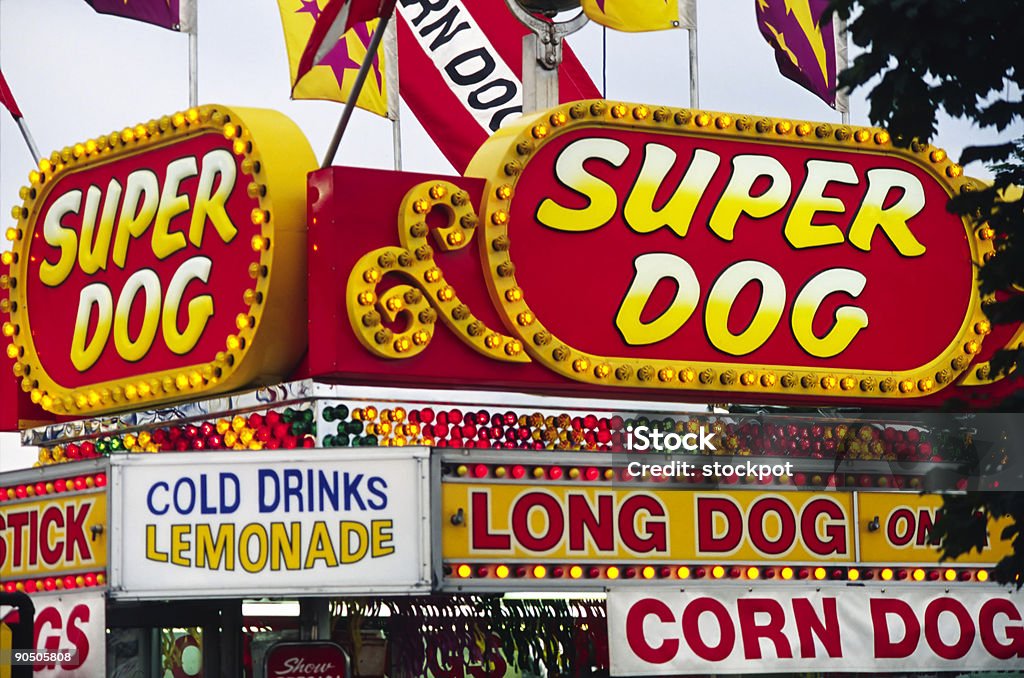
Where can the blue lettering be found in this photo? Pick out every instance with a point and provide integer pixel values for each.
(265, 505)
(328, 490)
(204, 496)
(292, 488)
(187, 509)
(224, 506)
(376, 485)
(352, 492)
(149, 499)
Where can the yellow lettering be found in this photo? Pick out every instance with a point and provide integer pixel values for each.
(849, 319)
(172, 204)
(738, 198)
(151, 551)
(320, 547)
(212, 553)
(602, 202)
(811, 200)
(83, 355)
(677, 213)
(210, 203)
(350, 553)
(650, 270)
(382, 538)
(286, 547)
(148, 281)
(722, 296)
(892, 220)
(94, 245)
(135, 218)
(57, 235)
(200, 309)
(180, 544)
(245, 558)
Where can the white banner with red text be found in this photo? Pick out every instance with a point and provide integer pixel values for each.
(736, 630)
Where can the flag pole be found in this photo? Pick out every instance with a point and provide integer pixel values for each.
(357, 87)
(393, 91)
(193, 55)
(694, 65)
(842, 62)
(27, 136)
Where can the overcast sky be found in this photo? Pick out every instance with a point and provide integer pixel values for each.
(77, 74)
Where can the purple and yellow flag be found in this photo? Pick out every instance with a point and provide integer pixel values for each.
(174, 15)
(805, 50)
(332, 78)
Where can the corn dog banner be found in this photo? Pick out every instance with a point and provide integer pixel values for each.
(768, 630)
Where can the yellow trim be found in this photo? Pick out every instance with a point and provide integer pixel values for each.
(427, 296)
(276, 171)
(506, 155)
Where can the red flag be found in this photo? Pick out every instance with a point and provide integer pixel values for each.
(336, 18)
(7, 99)
(461, 68)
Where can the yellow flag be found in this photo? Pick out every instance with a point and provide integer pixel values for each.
(333, 78)
(642, 15)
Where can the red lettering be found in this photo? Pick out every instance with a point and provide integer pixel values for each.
(1014, 634)
(885, 647)
(756, 521)
(74, 536)
(48, 617)
(480, 536)
(598, 523)
(707, 540)
(834, 541)
(638, 613)
(553, 527)
(924, 527)
(691, 629)
(51, 554)
(3, 542)
(33, 537)
(892, 531)
(826, 628)
(17, 522)
(771, 630)
(76, 636)
(965, 627)
(652, 536)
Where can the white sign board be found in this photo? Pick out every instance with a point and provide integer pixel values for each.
(70, 636)
(774, 630)
(296, 522)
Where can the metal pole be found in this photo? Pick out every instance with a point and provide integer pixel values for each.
(694, 70)
(842, 62)
(394, 91)
(193, 56)
(357, 87)
(33, 149)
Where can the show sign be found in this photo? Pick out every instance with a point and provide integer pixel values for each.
(224, 524)
(626, 248)
(53, 536)
(899, 630)
(557, 524)
(306, 660)
(162, 262)
(70, 637)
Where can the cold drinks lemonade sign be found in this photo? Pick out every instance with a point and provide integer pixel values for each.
(147, 262)
(281, 524)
